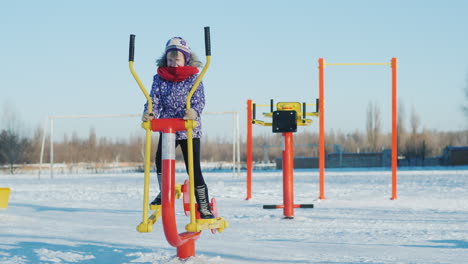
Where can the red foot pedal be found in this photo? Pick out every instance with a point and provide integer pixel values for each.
(186, 199)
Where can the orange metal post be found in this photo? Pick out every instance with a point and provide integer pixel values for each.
(322, 157)
(394, 129)
(249, 149)
(288, 177)
(321, 129)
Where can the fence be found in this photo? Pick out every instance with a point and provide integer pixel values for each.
(452, 156)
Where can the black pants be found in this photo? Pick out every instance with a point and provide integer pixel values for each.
(198, 176)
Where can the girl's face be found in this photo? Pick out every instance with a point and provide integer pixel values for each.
(175, 59)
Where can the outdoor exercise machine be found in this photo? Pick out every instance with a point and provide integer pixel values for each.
(184, 242)
(4, 197)
(285, 119)
(321, 67)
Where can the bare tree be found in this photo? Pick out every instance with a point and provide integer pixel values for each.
(465, 107)
(373, 126)
(401, 126)
(91, 146)
(12, 145)
(12, 149)
(33, 154)
(415, 146)
(415, 122)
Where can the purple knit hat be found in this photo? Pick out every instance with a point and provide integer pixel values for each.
(179, 44)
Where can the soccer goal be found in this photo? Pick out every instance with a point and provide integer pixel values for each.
(51, 120)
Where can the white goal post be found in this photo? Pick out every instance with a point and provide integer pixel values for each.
(235, 139)
(50, 119)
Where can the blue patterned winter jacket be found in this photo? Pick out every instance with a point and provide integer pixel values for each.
(169, 101)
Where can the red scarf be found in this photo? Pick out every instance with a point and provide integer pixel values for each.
(176, 74)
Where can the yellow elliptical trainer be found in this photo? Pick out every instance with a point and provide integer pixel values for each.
(195, 225)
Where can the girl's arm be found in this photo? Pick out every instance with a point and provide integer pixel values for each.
(198, 99)
(154, 95)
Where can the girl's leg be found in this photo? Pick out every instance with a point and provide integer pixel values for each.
(157, 200)
(158, 155)
(198, 176)
(201, 190)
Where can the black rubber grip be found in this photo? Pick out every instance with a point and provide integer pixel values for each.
(304, 114)
(131, 51)
(306, 206)
(269, 206)
(207, 41)
(254, 109)
(317, 105)
(271, 105)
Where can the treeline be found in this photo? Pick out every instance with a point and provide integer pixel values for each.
(15, 149)
(413, 142)
(418, 145)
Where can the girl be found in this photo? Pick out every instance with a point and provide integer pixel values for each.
(176, 74)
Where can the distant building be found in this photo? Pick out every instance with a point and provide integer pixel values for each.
(455, 156)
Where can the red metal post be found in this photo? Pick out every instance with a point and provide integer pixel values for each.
(288, 175)
(394, 129)
(184, 242)
(249, 149)
(187, 249)
(321, 67)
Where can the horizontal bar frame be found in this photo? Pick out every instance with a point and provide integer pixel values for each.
(377, 63)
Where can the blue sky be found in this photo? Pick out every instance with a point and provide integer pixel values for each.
(71, 57)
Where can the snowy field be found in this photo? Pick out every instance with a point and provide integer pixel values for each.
(91, 218)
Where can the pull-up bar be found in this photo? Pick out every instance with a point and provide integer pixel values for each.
(382, 63)
(322, 64)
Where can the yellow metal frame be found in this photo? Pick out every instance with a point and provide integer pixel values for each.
(157, 212)
(197, 225)
(288, 106)
(188, 104)
(4, 197)
(147, 224)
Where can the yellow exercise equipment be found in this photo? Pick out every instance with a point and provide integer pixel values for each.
(148, 220)
(297, 107)
(4, 196)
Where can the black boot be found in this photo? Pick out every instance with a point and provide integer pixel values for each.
(157, 200)
(201, 195)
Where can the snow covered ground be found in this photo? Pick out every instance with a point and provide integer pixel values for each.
(91, 218)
